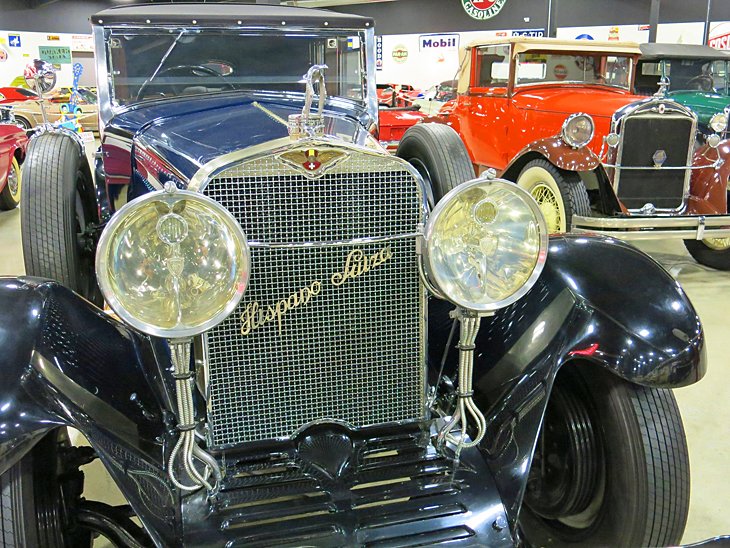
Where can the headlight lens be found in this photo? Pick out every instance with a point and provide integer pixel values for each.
(578, 130)
(172, 264)
(718, 122)
(486, 244)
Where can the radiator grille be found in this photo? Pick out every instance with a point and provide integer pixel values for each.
(643, 136)
(353, 352)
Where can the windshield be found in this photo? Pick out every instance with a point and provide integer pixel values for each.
(153, 64)
(584, 68)
(685, 75)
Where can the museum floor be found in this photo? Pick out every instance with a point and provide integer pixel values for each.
(705, 406)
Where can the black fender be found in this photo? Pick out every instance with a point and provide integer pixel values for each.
(67, 363)
(599, 301)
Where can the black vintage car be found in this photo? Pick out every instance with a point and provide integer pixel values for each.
(310, 342)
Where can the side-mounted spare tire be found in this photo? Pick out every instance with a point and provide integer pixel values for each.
(57, 212)
(439, 155)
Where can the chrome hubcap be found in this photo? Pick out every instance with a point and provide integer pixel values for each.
(14, 182)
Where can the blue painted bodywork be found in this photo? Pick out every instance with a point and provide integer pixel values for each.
(190, 132)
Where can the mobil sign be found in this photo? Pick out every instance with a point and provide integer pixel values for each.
(438, 42)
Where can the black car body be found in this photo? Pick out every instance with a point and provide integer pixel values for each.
(332, 427)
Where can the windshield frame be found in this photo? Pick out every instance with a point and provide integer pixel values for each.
(105, 82)
(605, 54)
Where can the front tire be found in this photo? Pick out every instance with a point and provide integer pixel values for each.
(439, 155)
(559, 193)
(611, 466)
(10, 195)
(56, 212)
(712, 252)
(33, 507)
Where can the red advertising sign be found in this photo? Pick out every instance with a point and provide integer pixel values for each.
(720, 42)
(482, 9)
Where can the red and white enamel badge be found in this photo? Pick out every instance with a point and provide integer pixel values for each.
(482, 9)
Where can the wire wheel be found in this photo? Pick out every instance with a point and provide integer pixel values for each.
(717, 244)
(550, 206)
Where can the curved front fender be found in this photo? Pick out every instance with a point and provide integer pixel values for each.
(66, 363)
(709, 186)
(558, 153)
(600, 301)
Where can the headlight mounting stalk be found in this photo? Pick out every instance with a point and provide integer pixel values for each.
(186, 448)
(469, 322)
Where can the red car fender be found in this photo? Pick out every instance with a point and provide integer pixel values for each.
(555, 151)
(13, 140)
(709, 186)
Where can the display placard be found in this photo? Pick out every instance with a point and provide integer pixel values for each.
(58, 55)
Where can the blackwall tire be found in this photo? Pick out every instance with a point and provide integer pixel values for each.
(54, 212)
(23, 122)
(710, 253)
(10, 195)
(31, 510)
(439, 155)
(634, 491)
(559, 193)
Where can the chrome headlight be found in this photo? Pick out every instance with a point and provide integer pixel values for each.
(172, 263)
(486, 244)
(718, 122)
(578, 130)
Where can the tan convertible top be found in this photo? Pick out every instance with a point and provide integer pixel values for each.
(521, 44)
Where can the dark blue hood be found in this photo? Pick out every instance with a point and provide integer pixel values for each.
(189, 132)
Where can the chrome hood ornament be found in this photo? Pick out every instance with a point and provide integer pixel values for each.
(308, 124)
(663, 87)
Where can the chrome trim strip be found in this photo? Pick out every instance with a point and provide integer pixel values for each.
(694, 227)
(713, 165)
(336, 243)
(200, 180)
(103, 80)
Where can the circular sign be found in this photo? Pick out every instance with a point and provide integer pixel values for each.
(400, 54)
(3, 55)
(560, 71)
(482, 9)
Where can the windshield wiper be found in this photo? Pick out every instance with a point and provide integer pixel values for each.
(160, 65)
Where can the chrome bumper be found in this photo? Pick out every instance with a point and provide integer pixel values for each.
(694, 227)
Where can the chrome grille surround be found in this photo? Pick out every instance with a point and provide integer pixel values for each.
(659, 108)
(354, 353)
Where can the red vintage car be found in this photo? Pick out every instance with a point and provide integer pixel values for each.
(561, 119)
(13, 142)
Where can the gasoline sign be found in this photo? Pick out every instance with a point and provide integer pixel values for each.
(482, 9)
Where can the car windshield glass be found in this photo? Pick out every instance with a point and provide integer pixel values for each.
(153, 64)
(689, 74)
(567, 68)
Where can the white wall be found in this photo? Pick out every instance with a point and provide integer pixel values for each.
(18, 57)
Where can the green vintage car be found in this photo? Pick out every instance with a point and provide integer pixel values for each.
(697, 75)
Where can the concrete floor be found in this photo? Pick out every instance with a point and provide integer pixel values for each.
(705, 406)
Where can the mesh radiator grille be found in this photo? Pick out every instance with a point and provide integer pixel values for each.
(353, 351)
(643, 136)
